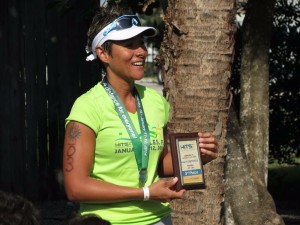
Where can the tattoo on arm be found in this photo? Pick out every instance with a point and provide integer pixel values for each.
(73, 134)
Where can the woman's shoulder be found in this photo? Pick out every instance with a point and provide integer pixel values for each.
(88, 108)
(94, 95)
(94, 98)
(96, 91)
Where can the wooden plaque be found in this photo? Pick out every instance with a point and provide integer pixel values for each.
(187, 162)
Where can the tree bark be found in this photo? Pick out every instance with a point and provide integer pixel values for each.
(197, 55)
(248, 201)
(254, 111)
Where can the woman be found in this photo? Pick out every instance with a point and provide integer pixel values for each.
(114, 139)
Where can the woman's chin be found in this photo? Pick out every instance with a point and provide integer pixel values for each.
(139, 77)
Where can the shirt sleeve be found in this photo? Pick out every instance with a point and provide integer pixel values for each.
(86, 111)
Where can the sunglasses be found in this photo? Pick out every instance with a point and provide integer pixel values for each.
(123, 22)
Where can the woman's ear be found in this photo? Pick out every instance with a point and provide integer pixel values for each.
(102, 54)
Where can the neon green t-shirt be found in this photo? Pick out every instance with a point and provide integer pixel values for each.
(114, 156)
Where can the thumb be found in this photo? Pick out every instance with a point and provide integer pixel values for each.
(172, 182)
(176, 194)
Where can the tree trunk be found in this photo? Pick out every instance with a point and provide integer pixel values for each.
(197, 55)
(254, 111)
(247, 200)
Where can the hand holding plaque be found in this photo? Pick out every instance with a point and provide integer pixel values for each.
(187, 162)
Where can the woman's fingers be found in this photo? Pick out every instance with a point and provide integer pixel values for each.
(207, 138)
(208, 146)
(163, 190)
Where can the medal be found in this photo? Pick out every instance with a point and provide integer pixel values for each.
(141, 143)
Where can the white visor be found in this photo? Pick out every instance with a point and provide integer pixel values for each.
(118, 35)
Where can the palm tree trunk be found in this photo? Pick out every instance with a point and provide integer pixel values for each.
(197, 53)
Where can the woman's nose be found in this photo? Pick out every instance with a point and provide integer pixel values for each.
(142, 52)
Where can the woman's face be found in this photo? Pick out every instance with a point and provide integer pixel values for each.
(127, 59)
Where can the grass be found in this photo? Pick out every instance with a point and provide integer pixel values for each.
(284, 175)
(284, 186)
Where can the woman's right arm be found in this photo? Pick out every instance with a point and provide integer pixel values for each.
(78, 158)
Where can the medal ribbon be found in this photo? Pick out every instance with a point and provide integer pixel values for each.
(141, 145)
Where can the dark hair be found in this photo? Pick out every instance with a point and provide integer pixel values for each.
(103, 17)
(16, 210)
(89, 219)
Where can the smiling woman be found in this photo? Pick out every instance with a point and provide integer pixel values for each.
(114, 148)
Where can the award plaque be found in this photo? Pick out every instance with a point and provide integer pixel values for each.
(187, 162)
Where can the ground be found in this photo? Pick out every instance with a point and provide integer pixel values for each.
(57, 212)
(284, 186)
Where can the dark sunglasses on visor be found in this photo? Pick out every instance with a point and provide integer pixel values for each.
(123, 22)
